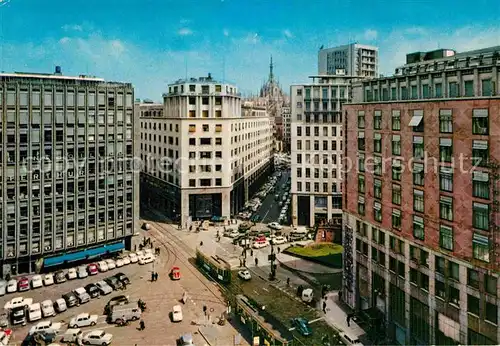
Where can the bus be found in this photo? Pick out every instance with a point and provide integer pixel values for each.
(214, 266)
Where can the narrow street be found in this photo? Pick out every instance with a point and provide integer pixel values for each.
(270, 210)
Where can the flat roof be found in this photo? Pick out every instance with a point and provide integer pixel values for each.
(50, 76)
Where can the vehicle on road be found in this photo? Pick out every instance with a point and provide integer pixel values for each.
(275, 225)
(46, 326)
(260, 244)
(17, 302)
(119, 263)
(123, 313)
(278, 240)
(233, 234)
(118, 300)
(72, 335)
(40, 338)
(146, 226)
(5, 337)
(92, 290)
(48, 279)
(83, 320)
(276, 197)
(103, 287)
(4, 319)
(177, 313)
(122, 278)
(302, 326)
(11, 286)
(307, 295)
(60, 305)
(82, 272)
(97, 337)
(72, 274)
(71, 299)
(92, 269)
(114, 283)
(82, 295)
(148, 258)
(47, 308)
(34, 312)
(23, 284)
(36, 281)
(60, 277)
(244, 274)
(185, 340)
(133, 258)
(103, 266)
(175, 273)
(18, 315)
(349, 339)
(111, 263)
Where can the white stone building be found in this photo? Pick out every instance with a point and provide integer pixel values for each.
(356, 59)
(285, 115)
(206, 154)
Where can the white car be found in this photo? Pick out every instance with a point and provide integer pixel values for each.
(34, 312)
(48, 308)
(244, 274)
(146, 259)
(111, 264)
(17, 302)
(46, 326)
(103, 287)
(260, 244)
(103, 266)
(275, 225)
(36, 281)
(82, 272)
(71, 274)
(11, 286)
(126, 260)
(97, 337)
(48, 279)
(83, 320)
(5, 337)
(234, 234)
(177, 313)
(133, 258)
(119, 263)
(278, 240)
(139, 254)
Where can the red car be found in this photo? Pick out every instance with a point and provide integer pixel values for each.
(92, 269)
(23, 284)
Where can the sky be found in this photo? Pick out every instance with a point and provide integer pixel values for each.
(152, 43)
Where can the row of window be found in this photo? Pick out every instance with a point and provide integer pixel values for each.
(205, 89)
(204, 113)
(316, 131)
(324, 187)
(205, 128)
(324, 118)
(316, 145)
(24, 118)
(325, 92)
(316, 173)
(205, 182)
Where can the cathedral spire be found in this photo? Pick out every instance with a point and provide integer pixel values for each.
(271, 75)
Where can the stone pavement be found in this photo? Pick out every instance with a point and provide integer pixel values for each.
(337, 318)
(216, 335)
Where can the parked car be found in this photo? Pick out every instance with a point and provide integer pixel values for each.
(275, 225)
(5, 336)
(60, 277)
(111, 263)
(349, 339)
(40, 338)
(103, 266)
(118, 300)
(71, 274)
(11, 286)
(83, 320)
(123, 278)
(46, 326)
(17, 302)
(122, 313)
(34, 312)
(114, 283)
(18, 315)
(103, 287)
(92, 290)
(60, 305)
(260, 244)
(233, 234)
(177, 313)
(48, 279)
(97, 337)
(278, 240)
(48, 308)
(92, 269)
(82, 272)
(23, 284)
(36, 281)
(125, 259)
(82, 295)
(148, 258)
(119, 263)
(244, 274)
(72, 335)
(133, 258)
(71, 299)
(302, 326)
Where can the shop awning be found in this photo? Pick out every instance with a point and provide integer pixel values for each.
(80, 255)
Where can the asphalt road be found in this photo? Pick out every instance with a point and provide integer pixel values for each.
(270, 211)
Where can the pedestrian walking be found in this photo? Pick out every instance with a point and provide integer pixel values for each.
(256, 261)
(135, 247)
(251, 252)
(324, 306)
(348, 319)
(205, 310)
(156, 276)
(142, 325)
(152, 276)
(279, 249)
(288, 281)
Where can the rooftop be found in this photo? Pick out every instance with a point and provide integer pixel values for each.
(205, 80)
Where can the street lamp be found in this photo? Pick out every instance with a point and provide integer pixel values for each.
(272, 259)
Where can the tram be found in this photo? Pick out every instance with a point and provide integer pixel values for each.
(214, 266)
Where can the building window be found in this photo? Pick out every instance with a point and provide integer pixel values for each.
(445, 121)
(377, 165)
(377, 120)
(192, 128)
(486, 87)
(453, 89)
(446, 179)
(361, 141)
(377, 211)
(218, 113)
(491, 313)
(404, 93)
(425, 91)
(396, 218)
(469, 88)
(396, 169)
(473, 278)
(361, 205)
(417, 121)
(396, 120)
(480, 122)
(396, 194)
(446, 237)
(445, 149)
(480, 153)
(480, 216)
(361, 183)
(418, 147)
(473, 305)
(377, 188)
(490, 284)
(192, 141)
(205, 127)
(205, 182)
(218, 182)
(438, 90)
(418, 174)
(481, 247)
(396, 145)
(418, 227)
(377, 143)
(481, 184)
(446, 208)
(361, 162)
(361, 119)
(418, 200)
(192, 182)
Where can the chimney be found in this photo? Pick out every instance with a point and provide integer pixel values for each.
(58, 70)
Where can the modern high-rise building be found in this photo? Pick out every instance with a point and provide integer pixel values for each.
(421, 201)
(68, 184)
(316, 148)
(356, 59)
(287, 134)
(206, 153)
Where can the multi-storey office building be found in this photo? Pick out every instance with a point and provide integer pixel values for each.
(356, 59)
(316, 148)
(206, 154)
(421, 214)
(68, 186)
(285, 114)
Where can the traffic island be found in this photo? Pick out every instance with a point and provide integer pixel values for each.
(328, 254)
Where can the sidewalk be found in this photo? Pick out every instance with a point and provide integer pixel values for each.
(337, 317)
